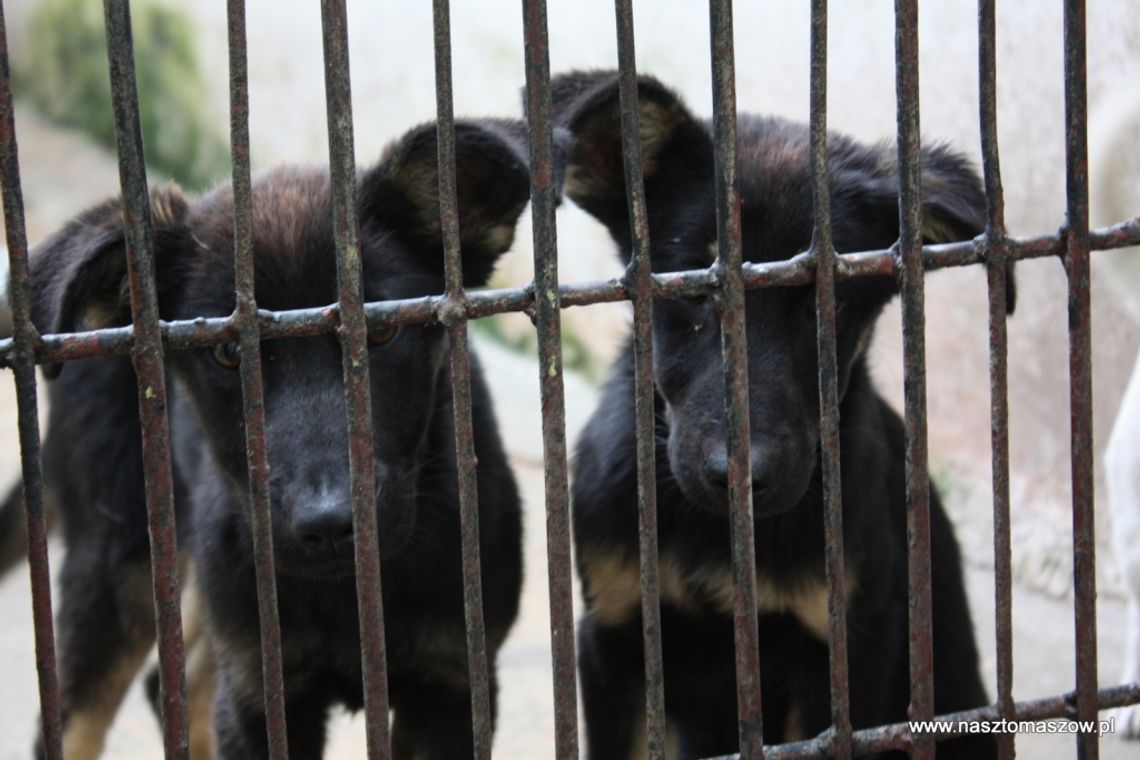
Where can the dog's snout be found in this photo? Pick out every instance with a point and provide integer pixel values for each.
(764, 469)
(324, 527)
(716, 467)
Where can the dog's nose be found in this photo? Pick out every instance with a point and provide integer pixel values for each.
(324, 528)
(763, 469)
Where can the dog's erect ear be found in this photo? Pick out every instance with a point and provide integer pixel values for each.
(492, 186)
(676, 149)
(78, 277)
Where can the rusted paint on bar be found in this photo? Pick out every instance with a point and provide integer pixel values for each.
(253, 400)
(148, 362)
(1080, 370)
(22, 362)
(914, 373)
(297, 323)
(730, 305)
(353, 333)
(823, 252)
(461, 391)
(640, 286)
(996, 273)
(544, 198)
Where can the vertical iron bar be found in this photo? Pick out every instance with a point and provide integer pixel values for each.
(823, 251)
(477, 669)
(354, 351)
(1080, 370)
(996, 274)
(147, 355)
(253, 400)
(544, 197)
(914, 372)
(23, 365)
(735, 350)
(640, 285)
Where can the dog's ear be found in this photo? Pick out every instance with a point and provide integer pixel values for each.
(492, 187)
(676, 149)
(953, 201)
(78, 277)
(954, 204)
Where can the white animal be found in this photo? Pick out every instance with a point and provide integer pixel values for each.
(1115, 197)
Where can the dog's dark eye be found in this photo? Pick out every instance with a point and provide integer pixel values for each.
(228, 355)
(382, 334)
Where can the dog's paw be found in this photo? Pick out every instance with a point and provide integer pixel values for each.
(1127, 721)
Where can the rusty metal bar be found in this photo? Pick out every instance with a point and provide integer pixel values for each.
(823, 251)
(914, 373)
(996, 274)
(23, 364)
(253, 400)
(482, 724)
(148, 362)
(353, 332)
(1080, 370)
(548, 319)
(735, 349)
(799, 270)
(897, 736)
(640, 286)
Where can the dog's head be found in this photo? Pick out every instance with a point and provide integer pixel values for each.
(79, 283)
(776, 218)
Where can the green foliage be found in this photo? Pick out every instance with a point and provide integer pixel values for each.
(576, 355)
(64, 75)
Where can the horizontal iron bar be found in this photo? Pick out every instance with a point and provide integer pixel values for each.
(898, 735)
(799, 270)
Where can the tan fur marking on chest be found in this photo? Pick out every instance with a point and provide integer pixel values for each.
(615, 591)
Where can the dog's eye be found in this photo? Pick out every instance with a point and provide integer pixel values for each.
(382, 335)
(228, 355)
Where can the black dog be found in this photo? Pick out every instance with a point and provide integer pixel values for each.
(696, 581)
(93, 463)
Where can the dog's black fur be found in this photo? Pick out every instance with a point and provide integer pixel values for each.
(693, 535)
(93, 463)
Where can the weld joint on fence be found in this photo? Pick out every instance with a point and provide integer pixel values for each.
(993, 247)
(896, 256)
(530, 303)
(452, 310)
(1071, 711)
(815, 254)
(1063, 251)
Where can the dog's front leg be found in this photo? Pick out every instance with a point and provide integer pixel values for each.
(106, 629)
(433, 721)
(613, 691)
(240, 723)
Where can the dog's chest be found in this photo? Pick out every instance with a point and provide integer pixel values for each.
(322, 647)
(614, 590)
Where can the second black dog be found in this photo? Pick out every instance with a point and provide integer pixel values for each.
(696, 577)
(93, 464)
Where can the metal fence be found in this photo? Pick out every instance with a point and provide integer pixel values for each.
(148, 339)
